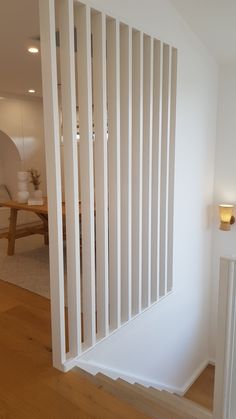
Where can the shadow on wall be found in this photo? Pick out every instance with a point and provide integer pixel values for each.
(10, 163)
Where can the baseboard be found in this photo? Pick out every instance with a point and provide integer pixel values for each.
(94, 368)
(194, 377)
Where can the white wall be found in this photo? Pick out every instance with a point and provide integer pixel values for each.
(171, 342)
(10, 162)
(224, 243)
(21, 119)
(1, 171)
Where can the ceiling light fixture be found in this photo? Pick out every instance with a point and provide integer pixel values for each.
(31, 91)
(33, 50)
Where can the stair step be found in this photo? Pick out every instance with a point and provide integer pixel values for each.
(204, 412)
(97, 379)
(149, 401)
(117, 390)
(128, 393)
(143, 392)
(184, 405)
(107, 404)
(84, 372)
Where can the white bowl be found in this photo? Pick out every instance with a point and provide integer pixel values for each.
(22, 197)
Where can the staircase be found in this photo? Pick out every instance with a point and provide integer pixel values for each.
(147, 402)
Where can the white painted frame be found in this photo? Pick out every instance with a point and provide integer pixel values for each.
(67, 65)
(164, 195)
(148, 63)
(84, 84)
(126, 170)
(137, 171)
(52, 148)
(171, 167)
(156, 167)
(113, 112)
(101, 175)
(225, 375)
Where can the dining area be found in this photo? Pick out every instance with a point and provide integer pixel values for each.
(15, 232)
(25, 201)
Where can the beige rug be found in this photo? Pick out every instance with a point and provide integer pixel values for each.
(29, 267)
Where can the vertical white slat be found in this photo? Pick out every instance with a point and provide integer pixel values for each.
(126, 169)
(137, 169)
(230, 388)
(147, 168)
(101, 189)
(165, 168)
(156, 162)
(67, 65)
(225, 340)
(173, 99)
(83, 30)
(230, 346)
(113, 101)
(52, 147)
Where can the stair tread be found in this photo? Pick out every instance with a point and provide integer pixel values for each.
(127, 392)
(147, 401)
(113, 407)
(187, 401)
(143, 392)
(165, 395)
(178, 402)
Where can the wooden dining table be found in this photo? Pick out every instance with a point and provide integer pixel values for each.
(15, 232)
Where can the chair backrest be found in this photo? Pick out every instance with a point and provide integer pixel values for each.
(4, 193)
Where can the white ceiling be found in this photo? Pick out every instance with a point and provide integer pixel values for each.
(19, 70)
(214, 21)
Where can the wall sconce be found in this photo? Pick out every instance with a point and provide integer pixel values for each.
(226, 217)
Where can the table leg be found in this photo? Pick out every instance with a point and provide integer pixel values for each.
(46, 238)
(12, 232)
(44, 219)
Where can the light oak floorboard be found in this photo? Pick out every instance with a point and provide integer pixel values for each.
(202, 391)
(29, 386)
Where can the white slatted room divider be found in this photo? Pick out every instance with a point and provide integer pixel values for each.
(118, 95)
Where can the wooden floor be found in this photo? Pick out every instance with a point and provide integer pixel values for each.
(29, 387)
(202, 391)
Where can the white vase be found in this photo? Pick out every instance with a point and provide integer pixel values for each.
(22, 186)
(23, 176)
(38, 194)
(22, 197)
(22, 194)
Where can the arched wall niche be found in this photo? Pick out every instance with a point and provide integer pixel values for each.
(10, 163)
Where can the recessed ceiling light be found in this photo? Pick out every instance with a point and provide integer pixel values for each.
(31, 91)
(33, 50)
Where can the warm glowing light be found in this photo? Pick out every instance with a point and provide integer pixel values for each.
(31, 91)
(1, 97)
(33, 50)
(226, 216)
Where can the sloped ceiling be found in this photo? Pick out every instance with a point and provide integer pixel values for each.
(214, 21)
(19, 25)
